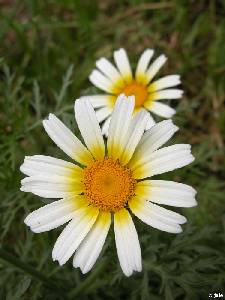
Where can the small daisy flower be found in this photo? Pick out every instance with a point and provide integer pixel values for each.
(116, 80)
(107, 181)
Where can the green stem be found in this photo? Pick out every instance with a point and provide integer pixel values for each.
(13, 260)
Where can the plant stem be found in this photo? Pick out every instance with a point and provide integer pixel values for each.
(13, 260)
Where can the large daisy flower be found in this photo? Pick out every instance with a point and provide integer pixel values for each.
(116, 80)
(107, 182)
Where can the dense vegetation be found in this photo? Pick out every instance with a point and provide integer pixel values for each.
(48, 49)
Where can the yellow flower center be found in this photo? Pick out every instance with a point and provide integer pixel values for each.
(138, 90)
(108, 184)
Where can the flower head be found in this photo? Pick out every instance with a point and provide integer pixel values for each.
(110, 181)
(116, 80)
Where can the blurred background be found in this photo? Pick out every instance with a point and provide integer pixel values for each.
(47, 50)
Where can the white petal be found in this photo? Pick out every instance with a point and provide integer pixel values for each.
(134, 134)
(105, 127)
(47, 165)
(164, 82)
(53, 215)
(127, 243)
(167, 214)
(108, 69)
(73, 234)
(163, 160)
(103, 113)
(66, 140)
(51, 186)
(89, 128)
(154, 67)
(166, 192)
(120, 122)
(157, 217)
(164, 94)
(89, 250)
(161, 109)
(143, 64)
(122, 62)
(153, 139)
(100, 100)
(150, 122)
(100, 81)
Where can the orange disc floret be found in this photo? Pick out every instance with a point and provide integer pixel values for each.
(108, 185)
(138, 90)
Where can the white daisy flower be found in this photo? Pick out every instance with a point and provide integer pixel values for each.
(110, 181)
(116, 80)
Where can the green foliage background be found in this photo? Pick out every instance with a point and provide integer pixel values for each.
(48, 49)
